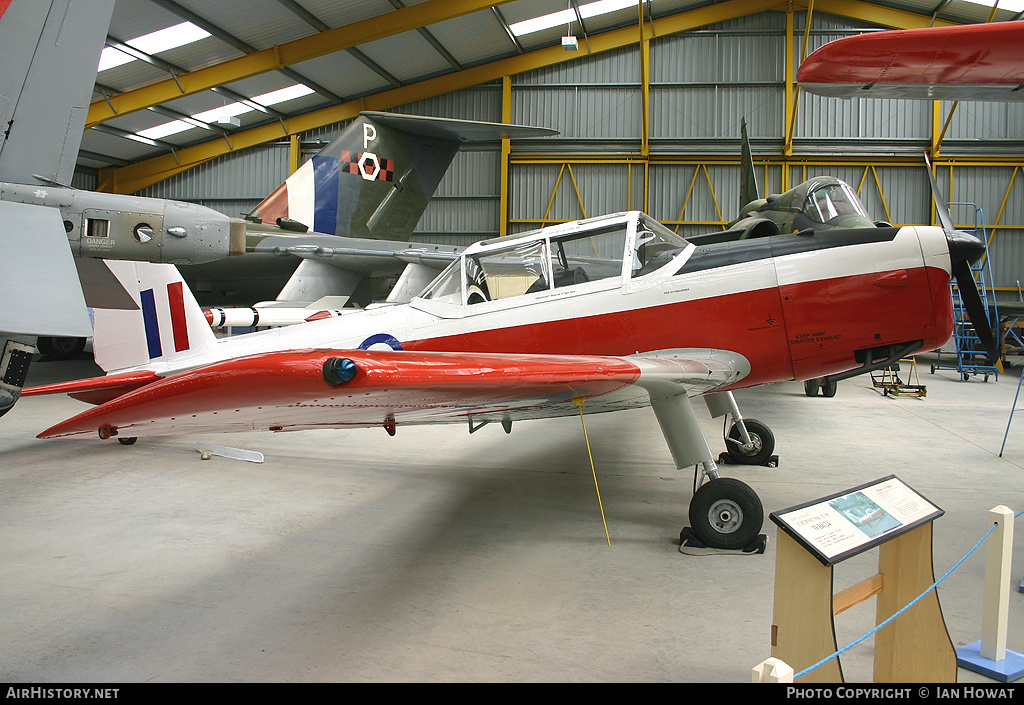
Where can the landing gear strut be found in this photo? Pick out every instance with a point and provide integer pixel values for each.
(725, 513)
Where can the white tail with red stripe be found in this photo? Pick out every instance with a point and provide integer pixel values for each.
(168, 322)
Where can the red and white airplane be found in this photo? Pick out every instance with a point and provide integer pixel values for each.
(964, 62)
(610, 313)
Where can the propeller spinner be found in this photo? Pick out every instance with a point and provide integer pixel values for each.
(964, 250)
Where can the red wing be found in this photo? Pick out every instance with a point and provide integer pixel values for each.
(967, 62)
(96, 390)
(289, 391)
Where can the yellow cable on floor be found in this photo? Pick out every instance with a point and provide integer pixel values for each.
(578, 400)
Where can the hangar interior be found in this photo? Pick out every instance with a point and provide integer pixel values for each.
(439, 556)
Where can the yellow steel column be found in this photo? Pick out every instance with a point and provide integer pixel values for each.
(294, 153)
(792, 87)
(106, 179)
(645, 104)
(506, 151)
(645, 89)
(787, 147)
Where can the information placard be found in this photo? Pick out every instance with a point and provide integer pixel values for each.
(836, 527)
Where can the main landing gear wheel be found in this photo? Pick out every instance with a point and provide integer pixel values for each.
(60, 348)
(762, 441)
(827, 386)
(726, 513)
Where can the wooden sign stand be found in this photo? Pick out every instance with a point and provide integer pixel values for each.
(915, 647)
(887, 514)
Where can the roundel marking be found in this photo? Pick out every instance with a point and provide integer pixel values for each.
(365, 159)
(380, 339)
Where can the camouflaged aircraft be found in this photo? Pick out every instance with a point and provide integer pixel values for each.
(347, 215)
(820, 203)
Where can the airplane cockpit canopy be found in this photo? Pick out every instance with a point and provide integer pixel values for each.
(833, 199)
(616, 247)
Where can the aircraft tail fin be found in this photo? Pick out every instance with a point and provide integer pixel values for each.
(375, 179)
(51, 51)
(748, 179)
(167, 324)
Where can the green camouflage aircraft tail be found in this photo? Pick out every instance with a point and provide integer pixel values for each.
(748, 180)
(374, 180)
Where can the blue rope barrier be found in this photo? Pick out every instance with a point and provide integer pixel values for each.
(909, 605)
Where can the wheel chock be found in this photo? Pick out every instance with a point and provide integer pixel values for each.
(692, 546)
(772, 462)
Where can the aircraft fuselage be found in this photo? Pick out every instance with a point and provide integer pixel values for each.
(796, 306)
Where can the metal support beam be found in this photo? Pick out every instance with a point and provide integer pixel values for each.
(506, 152)
(790, 96)
(277, 57)
(141, 174)
(294, 154)
(137, 176)
(645, 86)
(508, 30)
(430, 39)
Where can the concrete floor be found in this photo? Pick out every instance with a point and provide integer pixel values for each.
(441, 556)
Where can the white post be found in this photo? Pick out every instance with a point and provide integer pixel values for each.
(996, 605)
(771, 670)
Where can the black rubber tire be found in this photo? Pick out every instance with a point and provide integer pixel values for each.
(828, 387)
(762, 437)
(726, 513)
(811, 387)
(60, 348)
(130, 441)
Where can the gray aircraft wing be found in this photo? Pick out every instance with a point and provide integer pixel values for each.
(41, 127)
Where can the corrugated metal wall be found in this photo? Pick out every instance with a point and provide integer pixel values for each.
(232, 184)
(702, 84)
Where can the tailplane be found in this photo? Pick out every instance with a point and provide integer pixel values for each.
(168, 323)
(375, 179)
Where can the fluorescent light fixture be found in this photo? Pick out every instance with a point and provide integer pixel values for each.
(153, 43)
(591, 9)
(228, 111)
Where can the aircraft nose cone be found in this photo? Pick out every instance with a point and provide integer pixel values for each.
(964, 247)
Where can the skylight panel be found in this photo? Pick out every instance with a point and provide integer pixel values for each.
(564, 17)
(167, 128)
(230, 110)
(1011, 5)
(111, 57)
(153, 43)
(542, 22)
(603, 7)
(282, 95)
